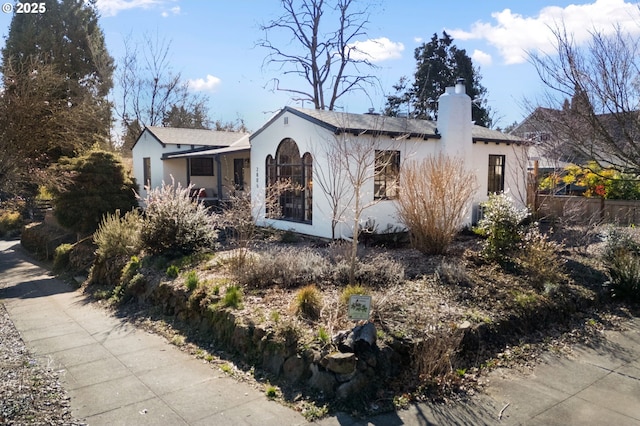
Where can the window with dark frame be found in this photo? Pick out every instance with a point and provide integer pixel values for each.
(387, 172)
(294, 203)
(238, 173)
(146, 171)
(496, 174)
(201, 167)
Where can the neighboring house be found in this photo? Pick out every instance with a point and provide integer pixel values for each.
(215, 161)
(548, 150)
(292, 146)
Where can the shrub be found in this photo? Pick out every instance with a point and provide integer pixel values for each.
(98, 184)
(502, 225)
(131, 268)
(172, 271)
(352, 290)
(287, 267)
(10, 221)
(61, 257)
(174, 223)
(450, 273)
(540, 260)
(191, 282)
(622, 258)
(308, 302)
(232, 297)
(434, 201)
(379, 270)
(118, 235)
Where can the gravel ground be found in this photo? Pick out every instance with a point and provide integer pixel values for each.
(30, 391)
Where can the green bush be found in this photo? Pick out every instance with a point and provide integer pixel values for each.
(232, 297)
(118, 235)
(621, 256)
(10, 221)
(131, 268)
(98, 184)
(308, 302)
(61, 257)
(173, 271)
(502, 225)
(174, 223)
(191, 281)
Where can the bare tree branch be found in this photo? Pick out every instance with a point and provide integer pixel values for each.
(325, 56)
(602, 79)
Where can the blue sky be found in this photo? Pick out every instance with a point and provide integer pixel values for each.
(213, 45)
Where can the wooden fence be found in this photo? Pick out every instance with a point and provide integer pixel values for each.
(585, 210)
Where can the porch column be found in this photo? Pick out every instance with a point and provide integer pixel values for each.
(219, 176)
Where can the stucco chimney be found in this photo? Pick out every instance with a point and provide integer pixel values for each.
(454, 121)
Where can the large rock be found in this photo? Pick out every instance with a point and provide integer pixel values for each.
(322, 381)
(293, 368)
(353, 387)
(339, 363)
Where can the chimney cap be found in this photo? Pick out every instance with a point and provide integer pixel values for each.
(460, 80)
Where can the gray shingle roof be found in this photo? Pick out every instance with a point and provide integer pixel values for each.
(177, 136)
(393, 126)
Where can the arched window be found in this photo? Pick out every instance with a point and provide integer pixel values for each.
(295, 172)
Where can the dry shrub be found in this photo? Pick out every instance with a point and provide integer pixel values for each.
(454, 273)
(434, 200)
(286, 267)
(433, 355)
(540, 259)
(174, 223)
(379, 271)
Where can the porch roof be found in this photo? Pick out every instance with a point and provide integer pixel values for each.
(240, 145)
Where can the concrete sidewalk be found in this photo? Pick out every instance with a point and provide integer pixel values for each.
(117, 374)
(114, 373)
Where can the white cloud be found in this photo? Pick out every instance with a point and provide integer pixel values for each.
(480, 57)
(113, 7)
(173, 11)
(376, 50)
(202, 85)
(417, 39)
(514, 34)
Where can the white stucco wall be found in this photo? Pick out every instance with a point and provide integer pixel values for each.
(164, 170)
(311, 138)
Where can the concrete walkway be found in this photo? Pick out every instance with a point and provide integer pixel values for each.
(116, 374)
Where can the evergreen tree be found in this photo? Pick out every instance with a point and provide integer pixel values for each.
(56, 75)
(68, 37)
(97, 184)
(439, 63)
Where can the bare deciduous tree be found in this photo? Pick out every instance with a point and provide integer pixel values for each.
(325, 58)
(37, 126)
(331, 180)
(602, 79)
(360, 158)
(152, 91)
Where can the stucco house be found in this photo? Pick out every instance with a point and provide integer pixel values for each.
(293, 146)
(215, 161)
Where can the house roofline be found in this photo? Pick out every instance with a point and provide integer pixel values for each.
(146, 129)
(340, 130)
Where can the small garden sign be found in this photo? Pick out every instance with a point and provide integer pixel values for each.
(359, 307)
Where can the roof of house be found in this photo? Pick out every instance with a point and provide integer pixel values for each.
(239, 145)
(196, 137)
(342, 122)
